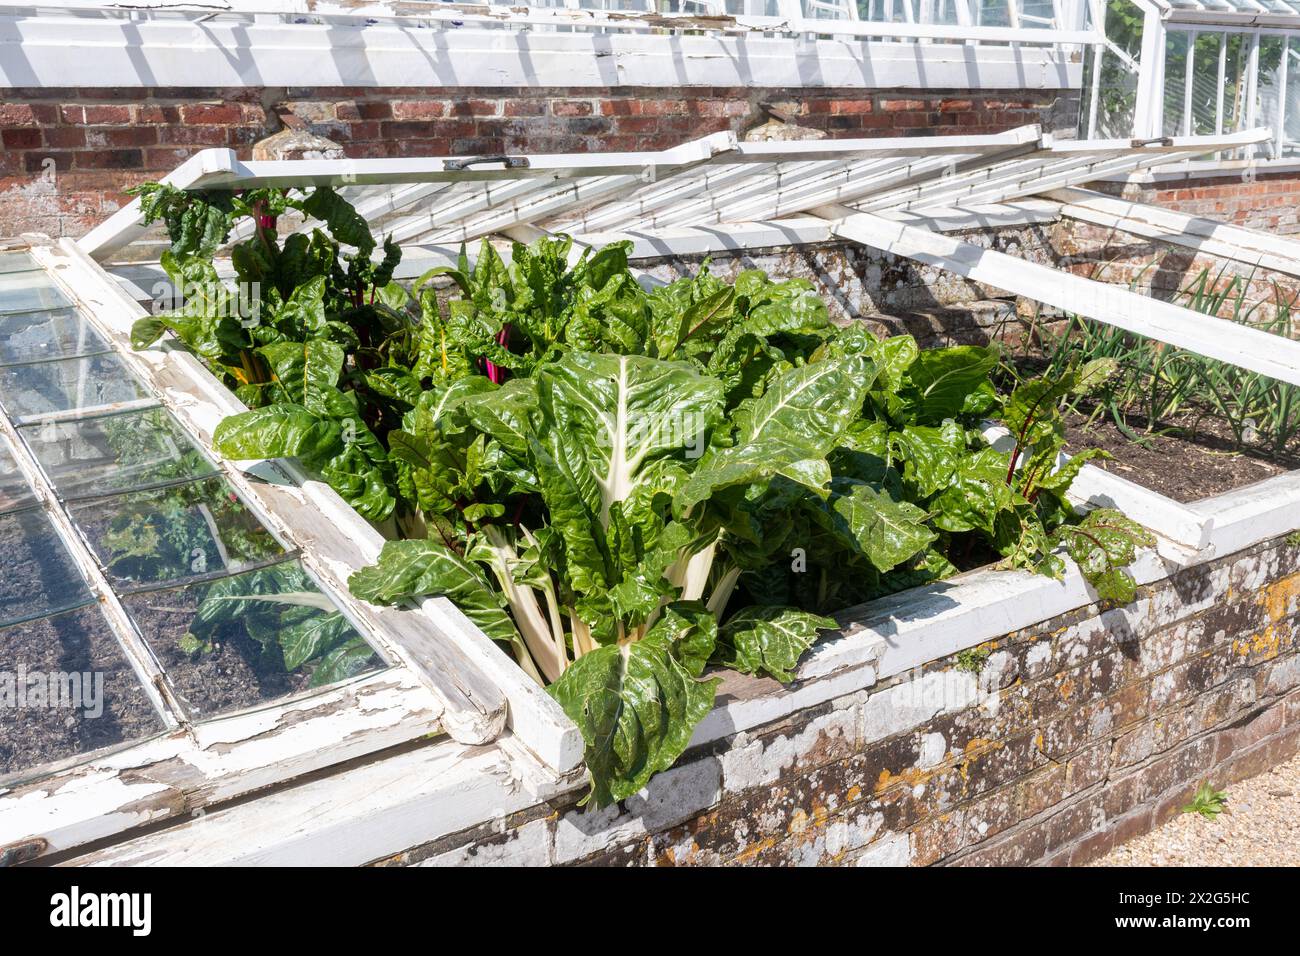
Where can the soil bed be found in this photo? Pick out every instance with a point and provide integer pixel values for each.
(76, 642)
(1182, 461)
(234, 674)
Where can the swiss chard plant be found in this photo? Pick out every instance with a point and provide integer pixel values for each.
(308, 334)
(629, 485)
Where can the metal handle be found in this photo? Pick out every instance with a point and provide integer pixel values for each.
(511, 162)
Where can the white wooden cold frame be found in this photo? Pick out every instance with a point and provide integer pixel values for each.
(440, 678)
(890, 635)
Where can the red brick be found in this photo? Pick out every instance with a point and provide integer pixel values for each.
(157, 115)
(104, 115)
(417, 109)
(166, 159)
(110, 159)
(21, 138)
(571, 108)
(38, 162)
(65, 137)
(17, 114)
(841, 107)
(225, 114)
(896, 106)
(375, 111)
(193, 136)
(127, 136)
(523, 108)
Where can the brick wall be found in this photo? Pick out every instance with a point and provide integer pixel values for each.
(1266, 201)
(68, 154)
(1077, 733)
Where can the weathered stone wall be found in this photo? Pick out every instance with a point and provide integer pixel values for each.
(68, 154)
(1077, 733)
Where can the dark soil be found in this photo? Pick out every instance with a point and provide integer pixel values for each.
(1182, 460)
(75, 642)
(37, 575)
(234, 675)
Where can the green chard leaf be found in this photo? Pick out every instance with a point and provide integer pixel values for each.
(768, 640)
(1103, 544)
(413, 569)
(637, 706)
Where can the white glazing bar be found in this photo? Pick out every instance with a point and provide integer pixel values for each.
(1252, 90)
(1148, 115)
(1254, 248)
(443, 215)
(698, 209)
(1221, 339)
(1189, 74)
(552, 202)
(1094, 95)
(1068, 175)
(647, 200)
(1279, 138)
(1223, 82)
(210, 167)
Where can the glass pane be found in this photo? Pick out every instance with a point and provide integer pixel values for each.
(67, 689)
(174, 534)
(1291, 125)
(32, 390)
(1205, 84)
(16, 262)
(37, 575)
(14, 490)
(34, 336)
(1235, 82)
(1176, 46)
(122, 452)
(1268, 90)
(232, 644)
(30, 292)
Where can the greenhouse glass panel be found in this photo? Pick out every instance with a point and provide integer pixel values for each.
(1269, 88)
(1291, 121)
(38, 336)
(174, 534)
(17, 262)
(15, 493)
(30, 292)
(1176, 49)
(43, 388)
(125, 451)
(249, 639)
(68, 690)
(37, 574)
(224, 608)
(1209, 57)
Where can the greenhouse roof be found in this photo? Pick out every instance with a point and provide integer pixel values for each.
(760, 43)
(1276, 13)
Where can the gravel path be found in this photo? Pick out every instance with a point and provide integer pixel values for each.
(1261, 829)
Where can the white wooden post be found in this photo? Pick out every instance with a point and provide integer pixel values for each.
(1148, 114)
